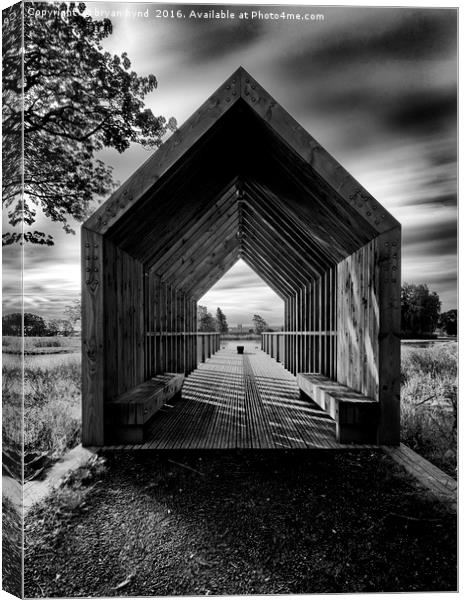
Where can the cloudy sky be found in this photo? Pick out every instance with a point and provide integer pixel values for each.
(375, 86)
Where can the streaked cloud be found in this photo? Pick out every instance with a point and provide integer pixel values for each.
(375, 86)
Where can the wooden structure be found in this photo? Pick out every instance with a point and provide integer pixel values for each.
(241, 179)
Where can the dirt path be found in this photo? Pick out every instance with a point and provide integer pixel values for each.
(249, 522)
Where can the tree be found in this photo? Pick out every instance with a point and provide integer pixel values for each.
(221, 321)
(77, 100)
(448, 322)
(205, 319)
(73, 312)
(420, 309)
(12, 324)
(53, 328)
(259, 324)
(59, 327)
(34, 325)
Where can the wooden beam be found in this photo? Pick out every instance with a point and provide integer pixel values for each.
(93, 373)
(280, 216)
(181, 238)
(198, 290)
(388, 279)
(289, 260)
(263, 270)
(321, 162)
(172, 213)
(199, 270)
(194, 254)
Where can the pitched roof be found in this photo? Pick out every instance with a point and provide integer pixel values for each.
(240, 178)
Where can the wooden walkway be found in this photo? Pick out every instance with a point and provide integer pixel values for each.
(239, 401)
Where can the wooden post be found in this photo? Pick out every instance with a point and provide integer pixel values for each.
(203, 348)
(93, 370)
(388, 279)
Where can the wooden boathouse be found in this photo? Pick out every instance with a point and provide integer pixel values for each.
(241, 179)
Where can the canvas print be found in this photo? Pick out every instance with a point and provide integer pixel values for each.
(229, 299)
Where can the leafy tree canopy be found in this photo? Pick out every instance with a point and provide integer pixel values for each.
(34, 325)
(420, 309)
(448, 321)
(59, 327)
(205, 319)
(77, 100)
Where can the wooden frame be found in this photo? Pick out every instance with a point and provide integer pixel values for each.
(282, 204)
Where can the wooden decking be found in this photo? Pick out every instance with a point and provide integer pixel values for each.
(240, 401)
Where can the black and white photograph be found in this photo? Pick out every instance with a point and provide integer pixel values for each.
(230, 302)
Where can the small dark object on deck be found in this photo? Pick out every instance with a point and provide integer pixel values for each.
(240, 349)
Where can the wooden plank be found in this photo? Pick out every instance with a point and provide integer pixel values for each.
(93, 369)
(177, 243)
(136, 406)
(281, 218)
(356, 415)
(388, 276)
(441, 485)
(127, 414)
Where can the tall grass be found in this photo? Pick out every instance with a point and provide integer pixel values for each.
(14, 344)
(52, 406)
(429, 403)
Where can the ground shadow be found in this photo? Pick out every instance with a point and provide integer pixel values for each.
(242, 522)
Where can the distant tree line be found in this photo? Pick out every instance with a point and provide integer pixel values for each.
(34, 326)
(37, 326)
(420, 316)
(206, 322)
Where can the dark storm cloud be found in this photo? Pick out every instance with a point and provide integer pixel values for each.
(434, 238)
(395, 70)
(424, 113)
(409, 35)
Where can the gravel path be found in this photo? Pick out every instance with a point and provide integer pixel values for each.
(249, 522)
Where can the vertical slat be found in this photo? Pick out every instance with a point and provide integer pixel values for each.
(148, 312)
(110, 322)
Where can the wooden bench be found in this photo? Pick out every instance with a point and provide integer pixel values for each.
(356, 416)
(127, 414)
